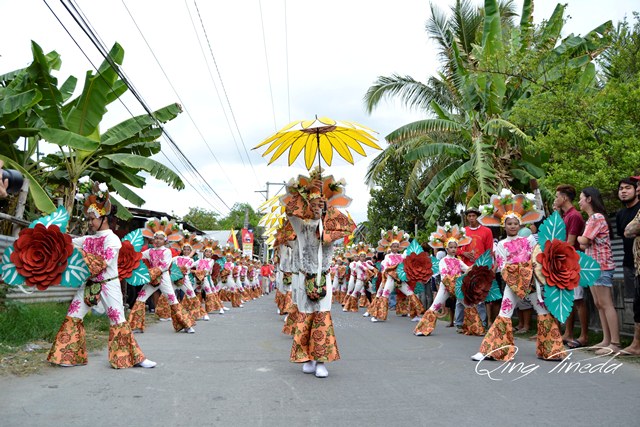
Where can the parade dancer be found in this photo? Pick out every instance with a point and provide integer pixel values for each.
(159, 257)
(188, 247)
(451, 267)
(393, 241)
(206, 270)
(361, 267)
(513, 259)
(69, 346)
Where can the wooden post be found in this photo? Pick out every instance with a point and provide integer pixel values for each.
(22, 201)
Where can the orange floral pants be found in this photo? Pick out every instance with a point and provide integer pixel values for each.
(315, 339)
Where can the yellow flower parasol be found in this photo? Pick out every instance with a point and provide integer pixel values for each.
(320, 135)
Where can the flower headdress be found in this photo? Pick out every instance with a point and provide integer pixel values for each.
(507, 205)
(169, 229)
(97, 202)
(213, 245)
(190, 240)
(448, 233)
(392, 236)
(364, 248)
(230, 252)
(302, 190)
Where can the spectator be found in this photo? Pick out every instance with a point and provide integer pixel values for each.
(4, 184)
(574, 223)
(628, 197)
(632, 231)
(481, 241)
(596, 242)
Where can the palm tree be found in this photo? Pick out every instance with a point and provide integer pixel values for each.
(467, 146)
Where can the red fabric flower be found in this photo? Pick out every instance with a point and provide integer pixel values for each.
(560, 264)
(40, 255)
(418, 268)
(128, 260)
(476, 284)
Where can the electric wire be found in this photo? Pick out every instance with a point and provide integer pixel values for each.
(266, 58)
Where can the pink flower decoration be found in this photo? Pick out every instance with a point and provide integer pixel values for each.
(518, 250)
(156, 256)
(142, 294)
(506, 305)
(190, 293)
(171, 298)
(437, 307)
(113, 314)
(74, 307)
(452, 267)
(95, 245)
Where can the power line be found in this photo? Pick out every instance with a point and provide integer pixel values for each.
(215, 86)
(176, 93)
(224, 90)
(266, 58)
(286, 51)
(87, 29)
(123, 104)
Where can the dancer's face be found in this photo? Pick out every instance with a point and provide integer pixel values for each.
(512, 226)
(452, 248)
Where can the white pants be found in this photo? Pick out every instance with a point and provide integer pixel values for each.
(110, 298)
(510, 301)
(166, 287)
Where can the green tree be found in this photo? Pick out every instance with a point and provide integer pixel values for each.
(202, 219)
(235, 218)
(469, 146)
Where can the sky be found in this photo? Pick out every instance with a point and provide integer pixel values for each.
(266, 63)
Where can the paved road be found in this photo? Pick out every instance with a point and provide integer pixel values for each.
(235, 371)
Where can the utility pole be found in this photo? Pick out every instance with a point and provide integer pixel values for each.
(265, 255)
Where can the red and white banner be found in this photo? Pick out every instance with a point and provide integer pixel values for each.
(247, 242)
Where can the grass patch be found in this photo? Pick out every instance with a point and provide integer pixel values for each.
(28, 330)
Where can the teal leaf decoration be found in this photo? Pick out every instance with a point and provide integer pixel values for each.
(140, 276)
(10, 274)
(435, 265)
(552, 228)
(402, 275)
(176, 274)
(494, 292)
(59, 218)
(589, 270)
(485, 260)
(459, 294)
(558, 301)
(76, 273)
(222, 261)
(414, 248)
(136, 239)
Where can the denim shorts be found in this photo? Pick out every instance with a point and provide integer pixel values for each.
(606, 279)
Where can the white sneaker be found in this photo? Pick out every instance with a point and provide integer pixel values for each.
(278, 311)
(321, 371)
(416, 319)
(206, 317)
(162, 319)
(241, 305)
(221, 311)
(285, 318)
(189, 330)
(374, 320)
(146, 363)
(366, 314)
(309, 367)
(65, 365)
(418, 334)
(478, 357)
(226, 308)
(344, 309)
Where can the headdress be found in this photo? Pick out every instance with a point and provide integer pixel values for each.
(364, 248)
(507, 205)
(169, 229)
(230, 252)
(392, 236)
(97, 202)
(303, 190)
(190, 240)
(448, 233)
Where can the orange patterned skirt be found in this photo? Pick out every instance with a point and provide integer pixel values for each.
(315, 339)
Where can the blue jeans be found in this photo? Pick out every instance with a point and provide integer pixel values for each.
(459, 318)
(392, 300)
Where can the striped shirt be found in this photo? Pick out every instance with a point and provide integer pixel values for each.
(597, 230)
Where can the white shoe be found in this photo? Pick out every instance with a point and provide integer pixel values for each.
(278, 311)
(366, 314)
(226, 308)
(206, 317)
(146, 363)
(221, 311)
(309, 367)
(344, 309)
(241, 305)
(189, 330)
(478, 357)
(65, 365)
(138, 331)
(285, 318)
(418, 334)
(374, 320)
(162, 319)
(416, 319)
(321, 371)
